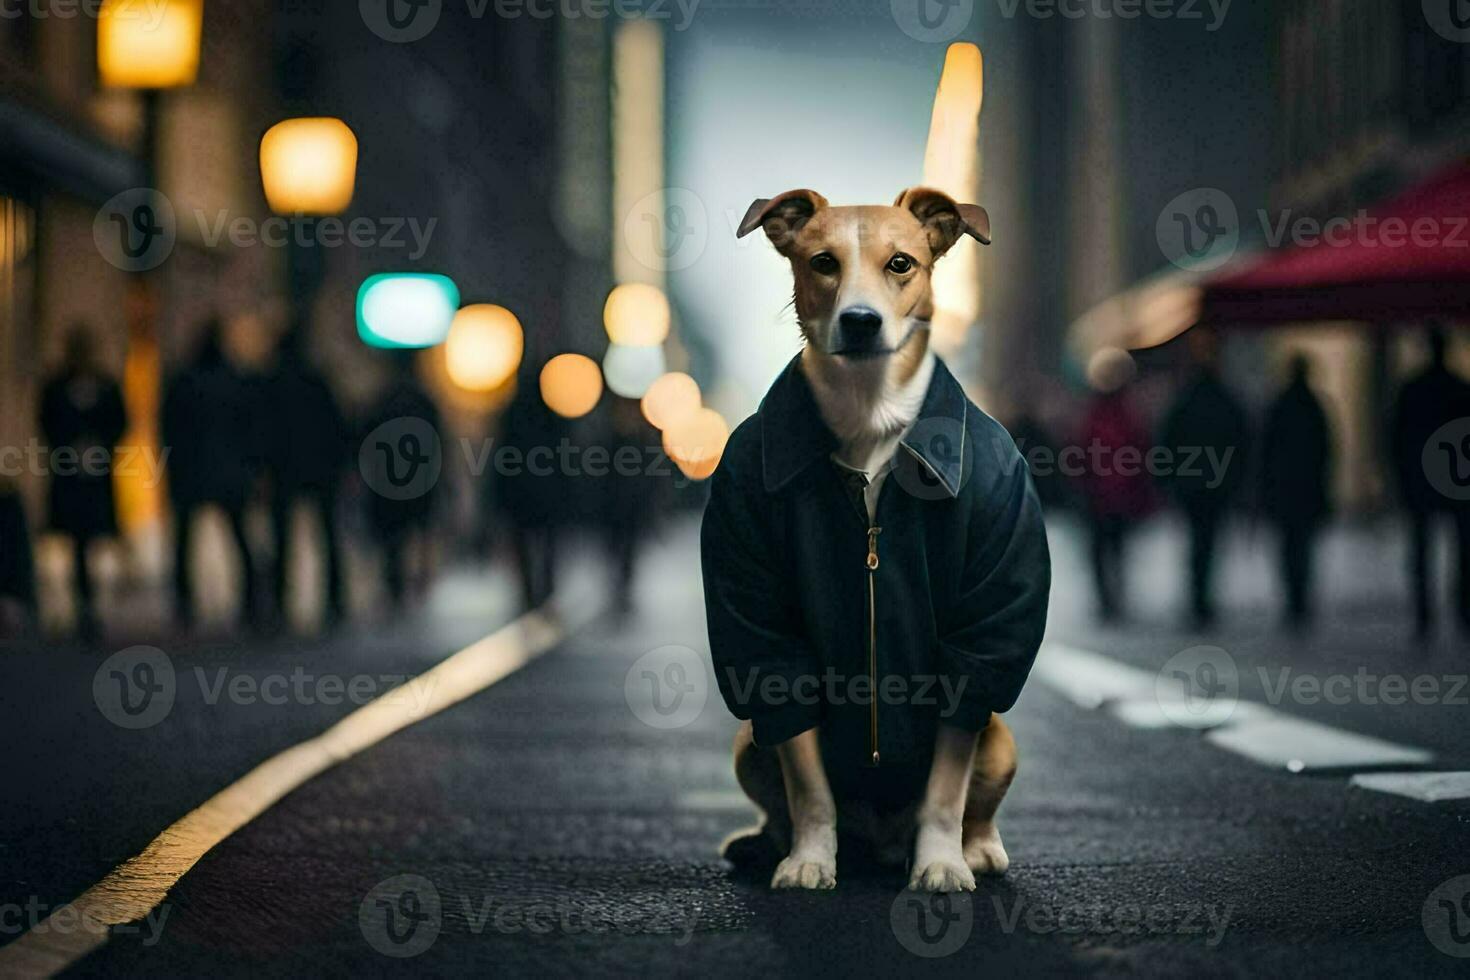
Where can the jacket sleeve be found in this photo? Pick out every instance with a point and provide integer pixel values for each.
(991, 637)
(755, 636)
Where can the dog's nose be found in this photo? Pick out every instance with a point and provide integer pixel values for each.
(860, 323)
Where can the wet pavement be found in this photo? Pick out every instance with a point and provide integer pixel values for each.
(566, 820)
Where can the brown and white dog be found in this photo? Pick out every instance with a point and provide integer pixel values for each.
(863, 302)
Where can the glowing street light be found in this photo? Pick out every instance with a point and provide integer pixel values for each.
(571, 385)
(670, 399)
(406, 309)
(309, 166)
(152, 45)
(697, 442)
(636, 315)
(484, 347)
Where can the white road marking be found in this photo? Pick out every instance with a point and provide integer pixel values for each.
(1089, 679)
(1298, 745)
(137, 887)
(1426, 787)
(1252, 730)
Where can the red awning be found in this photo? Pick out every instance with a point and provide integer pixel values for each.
(1405, 259)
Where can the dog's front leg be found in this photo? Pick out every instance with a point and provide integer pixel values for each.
(812, 862)
(939, 853)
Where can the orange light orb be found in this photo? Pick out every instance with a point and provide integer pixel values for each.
(670, 399)
(636, 315)
(571, 385)
(484, 347)
(696, 442)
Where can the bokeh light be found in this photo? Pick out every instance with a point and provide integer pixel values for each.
(1110, 369)
(670, 399)
(696, 443)
(571, 385)
(636, 315)
(309, 166)
(406, 309)
(631, 371)
(151, 45)
(484, 347)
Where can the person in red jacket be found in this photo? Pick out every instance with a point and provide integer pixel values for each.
(1116, 488)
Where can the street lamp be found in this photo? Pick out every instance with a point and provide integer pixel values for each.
(152, 45)
(147, 48)
(308, 166)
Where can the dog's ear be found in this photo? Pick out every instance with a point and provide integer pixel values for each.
(781, 216)
(943, 219)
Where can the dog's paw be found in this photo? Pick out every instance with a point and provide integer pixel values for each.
(942, 876)
(985, 854)
(802, 872)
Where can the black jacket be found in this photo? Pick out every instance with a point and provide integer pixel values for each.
(954, 584)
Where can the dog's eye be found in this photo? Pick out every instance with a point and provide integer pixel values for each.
(900, 264)
(824, 263)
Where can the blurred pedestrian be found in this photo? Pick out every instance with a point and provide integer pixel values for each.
(1296, 464)
(306, 453)
(1036, 444)
(1117, 491)
(534, 496)
(631, 495)
(82, 418)
(210, 426)
(1207, 436)
(1426, 402)
(402, 468)
(17, 568)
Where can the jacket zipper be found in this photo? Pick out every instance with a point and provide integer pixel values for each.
(872, 564)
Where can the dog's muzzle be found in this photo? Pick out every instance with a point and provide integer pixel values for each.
(859, 333)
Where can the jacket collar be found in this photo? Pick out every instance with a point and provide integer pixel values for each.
(793, 435)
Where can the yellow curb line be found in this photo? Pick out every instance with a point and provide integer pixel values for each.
(131, 891)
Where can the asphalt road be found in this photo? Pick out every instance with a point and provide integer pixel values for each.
(565, 821)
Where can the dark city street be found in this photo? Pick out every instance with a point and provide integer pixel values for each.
(728, 487)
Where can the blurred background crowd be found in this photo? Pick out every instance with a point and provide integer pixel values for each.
(203, 399)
